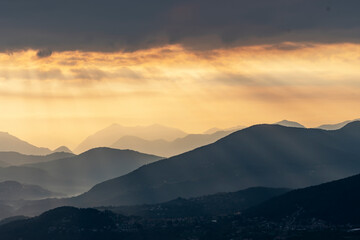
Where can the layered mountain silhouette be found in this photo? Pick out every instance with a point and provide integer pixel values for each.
(12, 190)
(232, 129)
(209, 205)
(166, 148)
(9, 143)
(219, 204)
(76, 174)
(287, 123)
(262, 155)
(15, 159)
(108, 136)
(336, 202)
(336, 125)
(65, 223)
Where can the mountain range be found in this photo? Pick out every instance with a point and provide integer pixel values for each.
(169, 148)
(16, 159)
(108, 136)
(12, 190)
(336, 125)
(78, 173)
(209, 205)
(262, 155)
(336, 202)
(327, 211)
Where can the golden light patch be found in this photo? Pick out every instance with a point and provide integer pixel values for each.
(72, 94)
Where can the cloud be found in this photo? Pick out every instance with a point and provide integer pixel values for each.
(33, 74)
(98, 74)
(44, 53)
(110, 25)
(289, 46)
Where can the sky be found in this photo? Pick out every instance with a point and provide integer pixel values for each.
(71, 68)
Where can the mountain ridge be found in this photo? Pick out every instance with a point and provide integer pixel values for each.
(109, 135)
(222, 163)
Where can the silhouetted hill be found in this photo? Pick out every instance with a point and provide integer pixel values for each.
(210, 205)
(108, 136)
(12, 219)
(79, 173)
(63, 149)
(64, 223)
(336, 202)
(287, 123)
(15, 159)
(262, 155)
(12, 190)
(9, 143)
(166, 148)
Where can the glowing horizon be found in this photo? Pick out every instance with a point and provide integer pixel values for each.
(63, 98)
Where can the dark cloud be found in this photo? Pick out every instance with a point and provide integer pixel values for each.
(111, 25)
(44, 53)
(289, 46)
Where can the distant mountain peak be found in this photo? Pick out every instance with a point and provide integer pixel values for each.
(288, 123)
(10, 143)
(109, 135)
(63, 149)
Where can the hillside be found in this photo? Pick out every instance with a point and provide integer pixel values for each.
(16, 159)
(78, 173)
(336, 202)
(11, 190)
(209, 205)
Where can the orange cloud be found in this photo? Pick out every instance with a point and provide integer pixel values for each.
(310, 83)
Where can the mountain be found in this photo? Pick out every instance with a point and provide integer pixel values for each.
(336, 202)
(108, 136)
(9, 143)
(287, 123)
(12, 190)
(336, 125)
(261, 155)
(67, 223)
(67, 218)
(63, 149)
(78, 173)
(210, 205)
(16, 159)
(166, 148)
(232, 129)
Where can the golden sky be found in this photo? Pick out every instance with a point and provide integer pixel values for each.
(61, 99)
